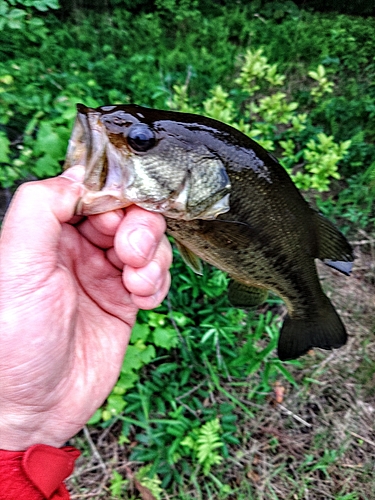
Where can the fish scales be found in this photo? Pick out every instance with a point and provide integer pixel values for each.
(225, 200)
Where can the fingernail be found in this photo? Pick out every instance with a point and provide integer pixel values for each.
(76, 173)
(142, 243)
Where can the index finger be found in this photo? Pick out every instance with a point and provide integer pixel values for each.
(138, 236)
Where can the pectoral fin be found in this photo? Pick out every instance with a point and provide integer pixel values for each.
(240, 295)
(190, 258)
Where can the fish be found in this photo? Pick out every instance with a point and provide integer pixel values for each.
(226, 200)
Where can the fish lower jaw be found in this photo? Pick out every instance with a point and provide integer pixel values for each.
(96, 203)
(165, 208)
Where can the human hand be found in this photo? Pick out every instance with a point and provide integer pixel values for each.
(70, 290)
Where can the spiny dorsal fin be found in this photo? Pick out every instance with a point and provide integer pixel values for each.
(333, 248)
(240, 295)
(190, 258)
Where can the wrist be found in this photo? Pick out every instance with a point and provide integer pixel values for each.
(16, 438)
(20, 430)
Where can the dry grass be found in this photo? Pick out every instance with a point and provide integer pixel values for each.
(318, 444)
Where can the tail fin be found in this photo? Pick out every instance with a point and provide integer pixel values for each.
(324, 330)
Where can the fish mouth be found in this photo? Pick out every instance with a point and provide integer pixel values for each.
(105, 178)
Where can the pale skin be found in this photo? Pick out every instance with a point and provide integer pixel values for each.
(70, 291)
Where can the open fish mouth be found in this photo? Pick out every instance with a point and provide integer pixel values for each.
(128, 163)
(105, 179)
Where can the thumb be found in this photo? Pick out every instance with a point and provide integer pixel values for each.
(32, 226)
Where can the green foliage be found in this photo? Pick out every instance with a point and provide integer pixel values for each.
(322, 464)
(151, 483)
(275, 103)
(322, 158)
(355, 205)
(204, 443)
(4, 148)
(274, 121)
(141, 351)
(165, 406)
(324, 85)
(18, 15)
(255, 70)
(118, 484)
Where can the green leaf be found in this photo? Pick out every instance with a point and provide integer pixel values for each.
(189, 442)
(136, 356)
(168, 367)
(42, 5)
(127, 380)
(35, 22)
(96, 418)
(46, 166)
(4, 148)
(3, 9)
(139, 332)
(156, 319)
(147, 354)
(115, 404)
(15, 18)
(165, 337)
(51, 140)
(289, 377)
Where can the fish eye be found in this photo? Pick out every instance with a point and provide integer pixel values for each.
(141, 137)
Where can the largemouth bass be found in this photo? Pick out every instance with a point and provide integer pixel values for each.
(225, 200)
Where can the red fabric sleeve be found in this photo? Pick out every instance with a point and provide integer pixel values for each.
(37, 473)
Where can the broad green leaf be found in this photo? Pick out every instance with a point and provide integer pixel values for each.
(127, 380)
(51, 140)
(136, 356)
(115, 403)
(139, 332)
(165, 337)
(46, 166)
(96, 418)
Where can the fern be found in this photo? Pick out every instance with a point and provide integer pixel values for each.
(153, 484)
(205, 443)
